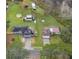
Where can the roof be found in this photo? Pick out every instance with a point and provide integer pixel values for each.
(54, 29)
(46, 32)
(27, 31)
(17, 29)
(23, 30)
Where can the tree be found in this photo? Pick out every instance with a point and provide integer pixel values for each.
(7, 24)
(66, 35)
(54, 51)
(13, 53)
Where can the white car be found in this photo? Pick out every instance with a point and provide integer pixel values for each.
(29, 18)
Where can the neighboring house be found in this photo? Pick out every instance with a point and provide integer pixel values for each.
(29, 18)
(33, 6)
(48, 32)
(25, 31)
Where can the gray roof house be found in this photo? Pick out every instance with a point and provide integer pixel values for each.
(25, 31)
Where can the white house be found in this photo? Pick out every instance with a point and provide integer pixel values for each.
(33, 5)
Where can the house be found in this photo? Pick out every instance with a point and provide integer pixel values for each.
(33, 6)
(54, 30)
(24, 31)
(48, 32)
(29, 18)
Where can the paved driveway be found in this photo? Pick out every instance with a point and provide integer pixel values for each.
(28, 43)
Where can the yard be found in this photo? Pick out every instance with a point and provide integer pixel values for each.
(38, 26)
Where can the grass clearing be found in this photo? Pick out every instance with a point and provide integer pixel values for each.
(39, 15)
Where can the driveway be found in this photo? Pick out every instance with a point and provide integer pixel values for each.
(46, 41)
(28, 43)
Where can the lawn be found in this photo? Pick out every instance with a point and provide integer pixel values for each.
(17, 42)
(39, 26)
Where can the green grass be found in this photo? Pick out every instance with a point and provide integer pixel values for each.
(17, 42)
(39, 26)
(55, 40)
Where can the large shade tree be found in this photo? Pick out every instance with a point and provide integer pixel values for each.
(13, 53)
(55, 51)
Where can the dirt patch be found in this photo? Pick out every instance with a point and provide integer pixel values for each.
(9, 39)
(33, 41)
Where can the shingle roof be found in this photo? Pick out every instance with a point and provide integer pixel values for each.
(54, 29)
(25, 31)
(46, 32)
